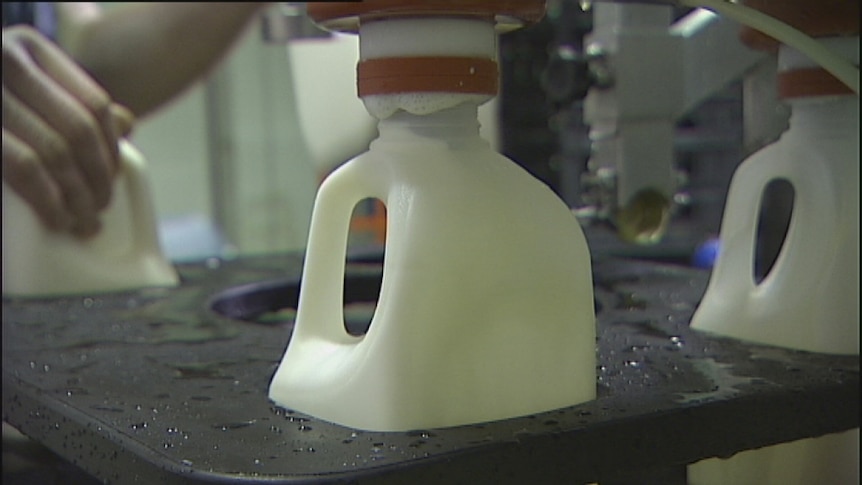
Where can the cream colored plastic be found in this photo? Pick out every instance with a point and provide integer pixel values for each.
(832, 459)
(124, 255)
(486, 306)
(810, 299)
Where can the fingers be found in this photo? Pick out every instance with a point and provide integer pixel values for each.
(124, 120)
(38, 166)
(62, 129)
(26, 177)
(56, 89)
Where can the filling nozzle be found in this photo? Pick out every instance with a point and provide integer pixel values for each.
(630, 182)
(649, 70)
(631, 179)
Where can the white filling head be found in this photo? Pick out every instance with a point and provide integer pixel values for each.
(418, 37)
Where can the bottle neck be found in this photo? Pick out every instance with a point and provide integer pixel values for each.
(826, 117)
(458, 122)
(821, 106)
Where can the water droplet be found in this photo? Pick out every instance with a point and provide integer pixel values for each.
(227, 426)
(676, 341)
(631, 301)
(421, 433)
(303, 427)
(187, 463)
(46, 368)
(32, 365)
(88, 302)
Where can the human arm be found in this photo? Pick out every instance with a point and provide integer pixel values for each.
(145, 54)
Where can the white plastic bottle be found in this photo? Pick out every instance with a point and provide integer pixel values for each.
(810, 298)
(486, 305)
(126, 254)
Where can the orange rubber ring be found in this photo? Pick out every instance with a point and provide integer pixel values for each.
(824, 18)
(392, 75)
(814, 81)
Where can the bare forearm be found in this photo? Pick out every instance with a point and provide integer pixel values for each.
(144, 54)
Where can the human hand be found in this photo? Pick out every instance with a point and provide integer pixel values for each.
(60, 133)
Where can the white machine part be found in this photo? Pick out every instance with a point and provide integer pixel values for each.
(656, 71)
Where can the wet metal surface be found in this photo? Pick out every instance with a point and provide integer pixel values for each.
(163, 386)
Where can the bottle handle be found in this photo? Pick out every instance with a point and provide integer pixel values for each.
(320, 313)
(133, 168)
(814, 221)
(811, 188)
